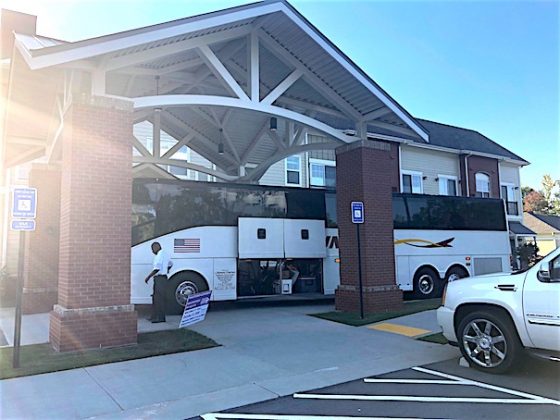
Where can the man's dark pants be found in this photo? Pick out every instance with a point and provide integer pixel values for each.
(158, 298)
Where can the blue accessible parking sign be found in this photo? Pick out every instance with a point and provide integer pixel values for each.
(24, 203)
(357, 212)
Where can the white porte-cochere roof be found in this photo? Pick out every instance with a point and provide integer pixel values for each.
(239, 86)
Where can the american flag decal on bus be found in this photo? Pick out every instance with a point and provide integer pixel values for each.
(186, 246)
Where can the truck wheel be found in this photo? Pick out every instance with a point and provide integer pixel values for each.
(180, 286)
(488, 341)
(426, 283)
(456, 273)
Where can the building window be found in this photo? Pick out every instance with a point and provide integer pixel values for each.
(509, 195)
(482, 185)
(322, 173)
(293, 170)
(447, 185)
(412, 182)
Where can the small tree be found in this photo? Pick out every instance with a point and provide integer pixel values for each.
(534, 201)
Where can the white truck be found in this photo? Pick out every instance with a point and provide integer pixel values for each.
(494, 318)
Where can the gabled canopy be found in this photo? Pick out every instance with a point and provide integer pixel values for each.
(214, 81)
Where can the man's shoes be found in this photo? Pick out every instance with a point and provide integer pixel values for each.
(156, 321)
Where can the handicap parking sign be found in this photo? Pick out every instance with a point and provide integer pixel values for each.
(357, 212)
(24, 203)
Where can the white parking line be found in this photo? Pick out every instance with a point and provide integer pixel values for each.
(218, 416)
(410, 381)
(418, 399)
(542, 400)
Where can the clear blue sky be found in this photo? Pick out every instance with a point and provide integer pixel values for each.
(492, 66)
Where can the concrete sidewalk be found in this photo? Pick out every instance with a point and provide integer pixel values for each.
(266, 352)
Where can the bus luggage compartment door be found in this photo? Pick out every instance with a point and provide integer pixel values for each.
(260, 238)
(304, 238)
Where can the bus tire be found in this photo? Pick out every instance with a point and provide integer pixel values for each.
(427, 283)
(456, 273)
(180, 286)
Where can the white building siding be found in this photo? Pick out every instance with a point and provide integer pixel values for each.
(276, 174)
(510, 174)
(431, 164)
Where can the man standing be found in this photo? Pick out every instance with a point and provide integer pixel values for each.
(161, 266)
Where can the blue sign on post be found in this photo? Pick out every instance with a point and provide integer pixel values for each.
(195, 309)
(24, 203)
(23, 225)
(357, 212)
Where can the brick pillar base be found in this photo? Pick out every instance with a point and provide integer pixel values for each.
(88, 328)
(40, 270)
(383, 299)
(96, 198)
(367, 171)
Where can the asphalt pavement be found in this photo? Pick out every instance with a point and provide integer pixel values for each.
(435, 391)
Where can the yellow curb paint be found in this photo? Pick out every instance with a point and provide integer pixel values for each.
(399, 329)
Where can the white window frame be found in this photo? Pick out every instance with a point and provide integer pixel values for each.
(292, 170)
(514, 190)
(322, 162)
(476, 185)
(413, 174)
(447, 178)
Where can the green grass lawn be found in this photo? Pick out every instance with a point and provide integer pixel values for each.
(353, 318)
(41, 358)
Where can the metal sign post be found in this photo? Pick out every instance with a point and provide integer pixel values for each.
(24, 211)
(358, 219)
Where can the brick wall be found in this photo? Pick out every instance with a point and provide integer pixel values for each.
(368, 172)
(94, 264)
(475, 164)
(41, 248)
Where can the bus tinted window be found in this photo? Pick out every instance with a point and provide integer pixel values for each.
(162, 207)
(330, 209)
(415, 211)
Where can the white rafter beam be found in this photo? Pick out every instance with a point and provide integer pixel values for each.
(177, 146)
(137, 144)
(282, 87)
(214, 157)
(277, 140)
(216, 123)
(309, 77)
(377, 113)
(165, 101)
(220, 71)
(253, 66)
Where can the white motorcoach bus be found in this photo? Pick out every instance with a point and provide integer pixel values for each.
(251, 240)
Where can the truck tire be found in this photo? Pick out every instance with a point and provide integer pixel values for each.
(426, 283)
(180, 286)
(488, 341)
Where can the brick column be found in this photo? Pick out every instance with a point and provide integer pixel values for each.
(365, 171)
(94, 267)
(40, 273)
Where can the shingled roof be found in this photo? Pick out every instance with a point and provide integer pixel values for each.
(448, 136)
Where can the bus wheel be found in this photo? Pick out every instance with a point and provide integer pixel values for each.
(456, 273)
(180, 287)
(426, 283)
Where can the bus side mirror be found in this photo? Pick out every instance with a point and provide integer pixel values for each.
(544, 273)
